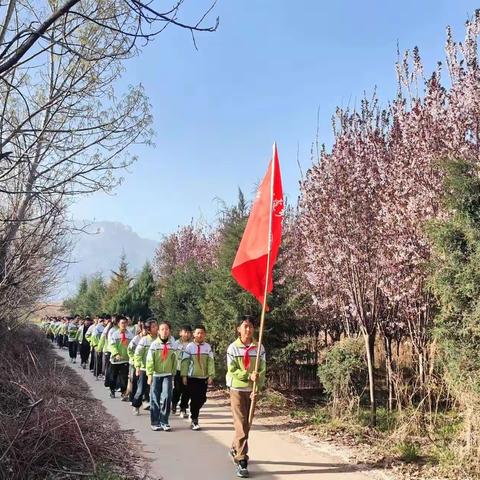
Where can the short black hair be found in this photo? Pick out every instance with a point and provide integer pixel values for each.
(186, 328)
(246, 318)
(165, 322)
(200, 327)
(149, 322)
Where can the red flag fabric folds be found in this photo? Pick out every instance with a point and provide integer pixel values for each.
(250, 266)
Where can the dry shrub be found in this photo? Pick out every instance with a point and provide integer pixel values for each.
(49, 423)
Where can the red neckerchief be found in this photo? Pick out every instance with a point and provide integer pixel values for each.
(165, 350)
(123, 338)
(199, 357)
(246, 356)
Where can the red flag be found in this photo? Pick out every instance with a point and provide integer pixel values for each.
(250, 266)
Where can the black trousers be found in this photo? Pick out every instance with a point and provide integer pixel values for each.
(197, 389)
(72, 349)
(132, 376)
(98, 365)
(84, 351)
(93, 353)
(143, 390)
(107, 369)
(119, 376)
(65, 341)
(59, 339)
(180, 393)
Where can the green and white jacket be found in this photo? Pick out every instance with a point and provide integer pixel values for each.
(118, 348)
(132, 347)
(140, 356)
(156, 364)
(180, 348)
(72, 330)
(237, 375)
(198, 361)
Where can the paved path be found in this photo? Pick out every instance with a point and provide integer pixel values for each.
(186, 455)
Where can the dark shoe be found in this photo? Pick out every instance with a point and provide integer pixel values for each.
(242, 469)
(174, 409)
(112, 394)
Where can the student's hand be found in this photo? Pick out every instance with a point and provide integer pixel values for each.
(184, 380)
(253, 396)
(116, 358)
(149, 380)
(254, 376)
(137, 372)
(210, 381)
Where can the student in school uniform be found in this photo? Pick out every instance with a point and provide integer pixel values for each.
(71, 332)
(161, 366)
(84, 344)
(118, 344)
(132, 374)
(198, 372)
(241, 357)
(179, 389)
(150, 333)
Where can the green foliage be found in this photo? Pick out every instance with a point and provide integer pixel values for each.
(344, 373)
(409, 451)
(182, 294)
(89, 297)
(142, 293)
(118, 298)
(455, 277)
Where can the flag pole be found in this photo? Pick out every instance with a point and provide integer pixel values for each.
(265, 292)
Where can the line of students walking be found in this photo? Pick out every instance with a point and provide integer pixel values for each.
(153, 371)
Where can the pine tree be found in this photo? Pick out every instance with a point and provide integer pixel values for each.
(142, 292)
(118, 298)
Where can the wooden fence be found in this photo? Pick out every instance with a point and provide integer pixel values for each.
(294, 377)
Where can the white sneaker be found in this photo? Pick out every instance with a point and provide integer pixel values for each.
(156, 428)
(136, 411)
(165, 427)
(195, 425)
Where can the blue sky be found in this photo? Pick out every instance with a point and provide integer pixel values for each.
(260, 78)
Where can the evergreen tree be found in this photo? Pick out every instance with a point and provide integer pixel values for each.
(93, 299)
(118, 297)
(182, 295)
(75, 304)
(142, 292)
(455, 280)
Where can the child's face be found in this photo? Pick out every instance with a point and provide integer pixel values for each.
(246, 329)
(154, 329)
(185, 335)
(199, 335)
(122, 325)
(164, 330)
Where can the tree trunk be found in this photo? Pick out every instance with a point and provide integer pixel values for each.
(388, 365)
(370, 346)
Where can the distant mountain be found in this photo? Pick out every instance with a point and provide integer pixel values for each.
(100, 249)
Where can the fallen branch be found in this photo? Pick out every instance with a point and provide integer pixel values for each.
(85, 443)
